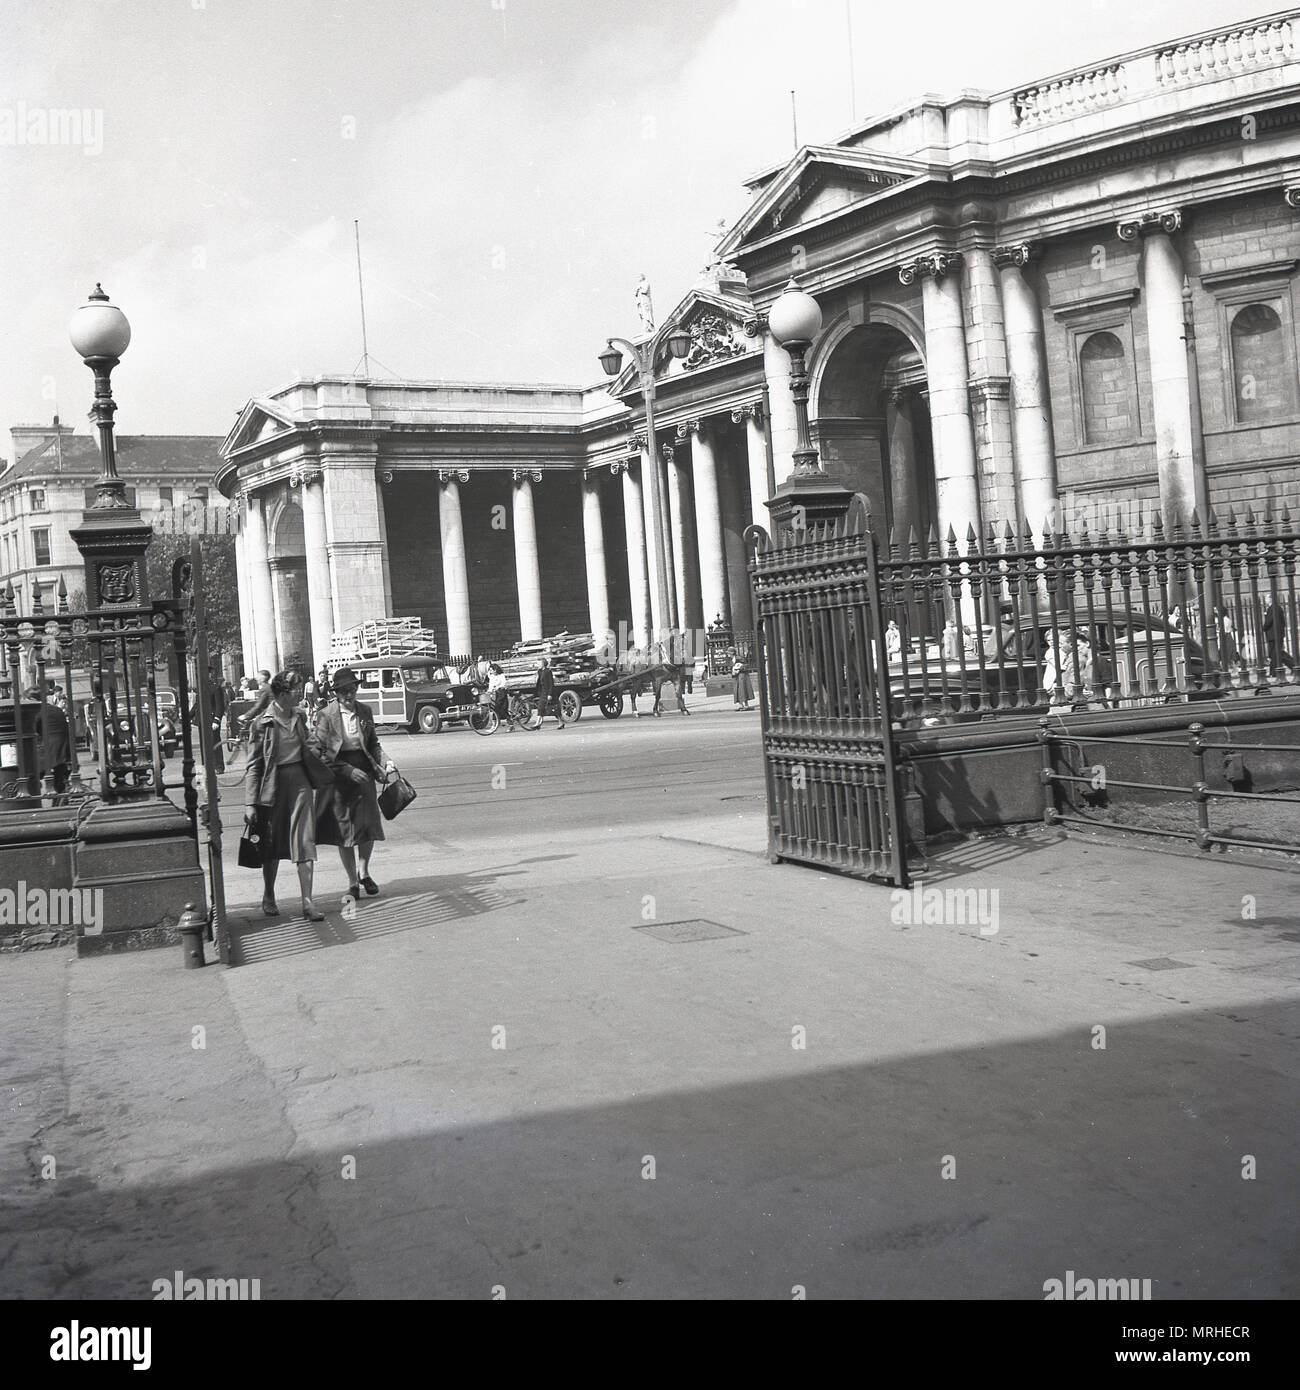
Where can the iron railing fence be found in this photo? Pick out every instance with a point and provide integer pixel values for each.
(1015, 624)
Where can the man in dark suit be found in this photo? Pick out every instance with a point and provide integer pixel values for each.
(545, 692)
(56, 745)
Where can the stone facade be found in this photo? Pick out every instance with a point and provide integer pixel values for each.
(1066, 301)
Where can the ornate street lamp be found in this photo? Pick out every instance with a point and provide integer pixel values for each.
(643, 355)
(100, 333)
(112, 536)
(808, 497)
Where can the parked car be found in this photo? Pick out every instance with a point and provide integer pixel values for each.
(413, 692)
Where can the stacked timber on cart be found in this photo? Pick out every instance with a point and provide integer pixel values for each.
(380, 638)
(573, 657)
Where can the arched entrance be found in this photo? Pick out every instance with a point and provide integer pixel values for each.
(872, 426)
(289, 595)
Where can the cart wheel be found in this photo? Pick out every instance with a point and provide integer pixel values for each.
(429, 720)
(570, 706)
(611, 706)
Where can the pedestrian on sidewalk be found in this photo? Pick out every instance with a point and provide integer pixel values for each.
(55, 743)
(544, 693)
(348, 811)
(743, 692)
(281, 780)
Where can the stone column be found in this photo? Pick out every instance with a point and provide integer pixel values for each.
(780, 404)
(593, 544)
(956, 480)
(708, 525)
(659, 619)
(261, 594)
(355, 538)
(986, 356)
(528, 576)
(638, 576)
(243, 581)
(1031, 408)
(455, 573)
(756, 457)
(1171, 394)
(681, 531)
(903, 490)
(320, 597)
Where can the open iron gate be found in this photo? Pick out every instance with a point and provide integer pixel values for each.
(833, 793)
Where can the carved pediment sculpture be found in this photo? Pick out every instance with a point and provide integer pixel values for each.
(713, 339)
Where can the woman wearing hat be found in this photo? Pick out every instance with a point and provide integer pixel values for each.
(280, 784)
(348, 815)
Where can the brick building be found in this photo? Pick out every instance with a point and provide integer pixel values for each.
(1077, 294)
(51, 481)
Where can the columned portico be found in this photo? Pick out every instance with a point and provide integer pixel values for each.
(1031, 412)
(638, 576)
(257, 557)
(528, 576)
(1171, 397)
(593, 542)
(320, 598)
(956, 481)
(906, 513)
(659, 619)
(455, 574)
(708, 522)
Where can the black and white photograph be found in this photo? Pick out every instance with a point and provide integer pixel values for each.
(649, 654)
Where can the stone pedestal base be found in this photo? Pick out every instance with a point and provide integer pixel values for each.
(141, 863)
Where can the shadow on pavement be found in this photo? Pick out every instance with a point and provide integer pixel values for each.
(975, 1172)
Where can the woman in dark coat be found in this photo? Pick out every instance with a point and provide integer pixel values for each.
(348, 814)
(280, 783)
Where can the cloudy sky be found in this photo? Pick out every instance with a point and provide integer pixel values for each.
(514, 166)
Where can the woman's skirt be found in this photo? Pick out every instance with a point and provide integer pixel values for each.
(291, 822)
(744, 688)
(347, 813)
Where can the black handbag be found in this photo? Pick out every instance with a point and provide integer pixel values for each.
(396, 796)
(252, 846)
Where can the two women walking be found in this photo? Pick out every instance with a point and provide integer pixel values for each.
(305, 786)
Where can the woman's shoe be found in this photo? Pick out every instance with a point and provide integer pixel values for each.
(354, 892)
(311, 912)
(370, 885)
(269, 908)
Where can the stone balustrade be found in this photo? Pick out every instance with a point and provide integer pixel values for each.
(1208, 57)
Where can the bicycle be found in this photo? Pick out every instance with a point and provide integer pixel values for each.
(523, 711)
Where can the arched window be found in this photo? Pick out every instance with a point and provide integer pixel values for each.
(1260, 379)
(1108, 414)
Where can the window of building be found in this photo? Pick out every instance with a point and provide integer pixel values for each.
(36, 499)
(1261, 380)
(41, 545)
(1105, 385)
(164, 497)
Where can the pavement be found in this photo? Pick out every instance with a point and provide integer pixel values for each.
(590, 1043)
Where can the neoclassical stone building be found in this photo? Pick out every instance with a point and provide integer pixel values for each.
(1076, 294)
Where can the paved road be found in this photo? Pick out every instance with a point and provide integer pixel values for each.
(578, 1050)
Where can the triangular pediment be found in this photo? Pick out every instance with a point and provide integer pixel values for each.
(717, 324)
(259, 420)
(819, 183)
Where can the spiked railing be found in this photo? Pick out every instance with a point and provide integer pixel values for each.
(1013, 623)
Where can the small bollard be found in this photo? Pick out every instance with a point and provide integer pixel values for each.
(191, 928)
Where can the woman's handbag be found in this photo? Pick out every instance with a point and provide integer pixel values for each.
(252, 846)
(396, 796)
